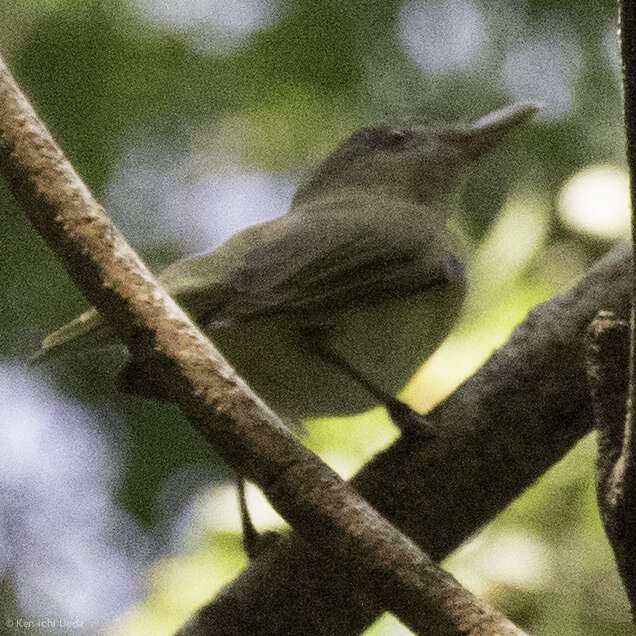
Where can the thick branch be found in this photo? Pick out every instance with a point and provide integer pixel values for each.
(613, 374)
(608, 357)
(326, 512)
(627, 21)
(499, 432)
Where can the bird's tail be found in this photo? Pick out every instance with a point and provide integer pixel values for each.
(86, 327)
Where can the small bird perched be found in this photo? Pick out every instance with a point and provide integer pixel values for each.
(353, 288)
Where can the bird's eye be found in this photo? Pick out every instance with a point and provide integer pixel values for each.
(397, 138)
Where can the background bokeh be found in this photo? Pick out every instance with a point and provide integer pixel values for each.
(190, 120)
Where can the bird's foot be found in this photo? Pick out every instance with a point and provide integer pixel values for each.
(407, 420)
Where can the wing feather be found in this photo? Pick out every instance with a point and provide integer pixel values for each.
(317, 263)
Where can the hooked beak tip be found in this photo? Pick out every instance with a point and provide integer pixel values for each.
(505, 118)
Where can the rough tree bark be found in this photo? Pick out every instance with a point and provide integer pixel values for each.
(612, 368)
(330, 515)
(506, 425)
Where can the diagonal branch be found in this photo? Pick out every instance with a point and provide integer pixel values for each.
(329, 514)
(515, 418)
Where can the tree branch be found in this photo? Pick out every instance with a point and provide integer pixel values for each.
(515, 418)
(330, 516)
(608, 358)
(612, 369)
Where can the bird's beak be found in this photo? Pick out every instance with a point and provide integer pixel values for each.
(479, 137)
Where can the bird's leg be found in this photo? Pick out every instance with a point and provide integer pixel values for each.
(254, 543)
(250, 534)
(404, 417)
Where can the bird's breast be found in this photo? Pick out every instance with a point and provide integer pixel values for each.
(390, 340)
(387, 341)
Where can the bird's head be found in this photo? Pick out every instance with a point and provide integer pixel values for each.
(414, 163)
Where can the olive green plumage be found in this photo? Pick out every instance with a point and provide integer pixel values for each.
(362, 258)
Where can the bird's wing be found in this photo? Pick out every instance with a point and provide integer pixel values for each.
(324, 263)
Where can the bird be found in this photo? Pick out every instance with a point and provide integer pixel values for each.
(330, 308)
